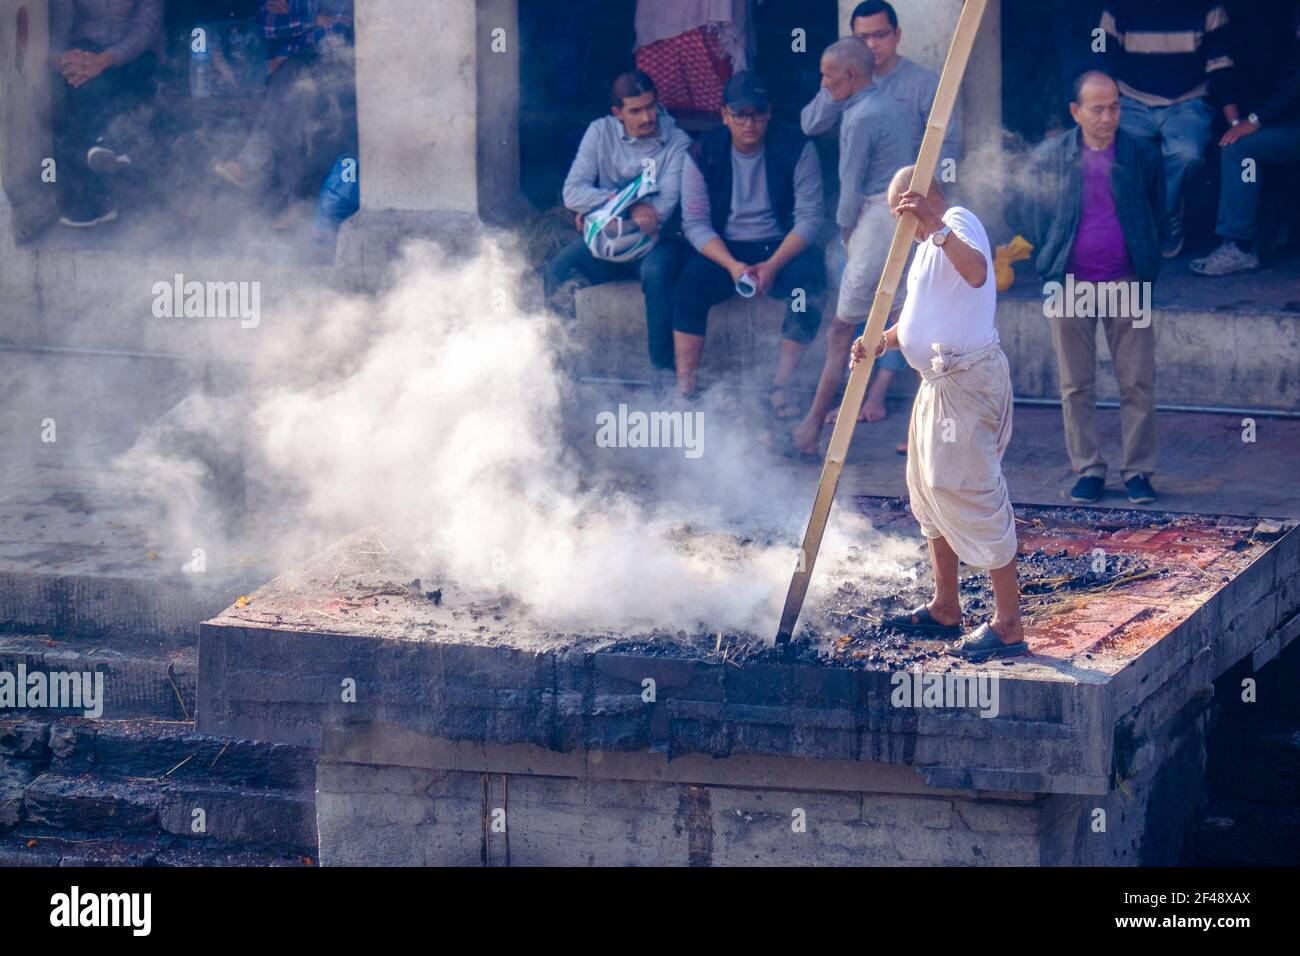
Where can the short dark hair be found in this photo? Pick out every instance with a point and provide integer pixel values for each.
(1081, 80)
(630, 84)
(870, 8)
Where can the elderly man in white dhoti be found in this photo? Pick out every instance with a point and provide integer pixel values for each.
(961, 421)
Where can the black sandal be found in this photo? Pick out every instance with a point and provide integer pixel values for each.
(983, 643)
(921, 621)
(782, 411)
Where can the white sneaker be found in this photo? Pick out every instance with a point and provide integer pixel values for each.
(1225, 260)
(101, 159)
(89, 222)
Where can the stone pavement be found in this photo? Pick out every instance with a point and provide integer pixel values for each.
(1205, 467)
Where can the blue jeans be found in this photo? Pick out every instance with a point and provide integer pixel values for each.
(1183, 131)
(118, 105)
(658, 270)
(893, 359)
(1239, 200)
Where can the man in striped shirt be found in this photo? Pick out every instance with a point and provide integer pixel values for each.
(1171, 60)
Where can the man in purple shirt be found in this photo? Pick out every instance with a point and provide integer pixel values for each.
(1090, 201)
(1099, 253)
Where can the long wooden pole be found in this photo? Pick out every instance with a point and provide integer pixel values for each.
(945, 97)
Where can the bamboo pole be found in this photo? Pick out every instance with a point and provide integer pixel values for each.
(945, 97)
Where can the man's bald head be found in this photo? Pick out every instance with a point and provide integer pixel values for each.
(1094, 81)
(902, 182)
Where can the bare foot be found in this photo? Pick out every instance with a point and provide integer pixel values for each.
(872, 410)
(807, 435)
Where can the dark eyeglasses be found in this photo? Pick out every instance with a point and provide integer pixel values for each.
(748, 117)
(878, 35)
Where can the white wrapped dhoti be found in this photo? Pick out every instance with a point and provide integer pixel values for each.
(961, 424)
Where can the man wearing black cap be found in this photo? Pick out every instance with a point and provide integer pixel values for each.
(751, 206)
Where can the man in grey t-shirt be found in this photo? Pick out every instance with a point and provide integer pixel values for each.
(876, 135)
(876, 24)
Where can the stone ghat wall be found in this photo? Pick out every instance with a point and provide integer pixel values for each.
(443, 748)
(402, 816)
(1049, 735)
(528, 807)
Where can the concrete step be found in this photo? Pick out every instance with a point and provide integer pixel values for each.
(79, 850)
(1233, 832)
(152, 749)
(147, 808)
(151, 791)
(117, 749)
(1238, 357)
(142, 679)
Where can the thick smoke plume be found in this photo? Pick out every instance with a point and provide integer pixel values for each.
(439, 412)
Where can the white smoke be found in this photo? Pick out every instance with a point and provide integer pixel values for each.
(440, 410)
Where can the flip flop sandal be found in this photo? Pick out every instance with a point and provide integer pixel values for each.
(983, 643)
(921, 621)
(783, 442)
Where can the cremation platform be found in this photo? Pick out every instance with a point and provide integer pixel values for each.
(453, 731)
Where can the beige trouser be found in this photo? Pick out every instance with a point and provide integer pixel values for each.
(1133, 357)
(961, 426)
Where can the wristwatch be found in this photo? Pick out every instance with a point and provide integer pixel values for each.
(940, 237)
(1254, 118)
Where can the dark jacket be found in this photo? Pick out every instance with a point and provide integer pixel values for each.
(782, 149)
(1045, 205)
(1284, 105)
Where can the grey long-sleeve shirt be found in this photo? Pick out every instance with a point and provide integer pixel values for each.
(909, 82)
(608, 159)
(877, 137)
(124, 28)
(751, 218)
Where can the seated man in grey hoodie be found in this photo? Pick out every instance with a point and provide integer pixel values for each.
(639, 137)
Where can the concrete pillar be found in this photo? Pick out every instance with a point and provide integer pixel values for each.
(25, 139)
(927, 27)
(438, 120)
(27, 204)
